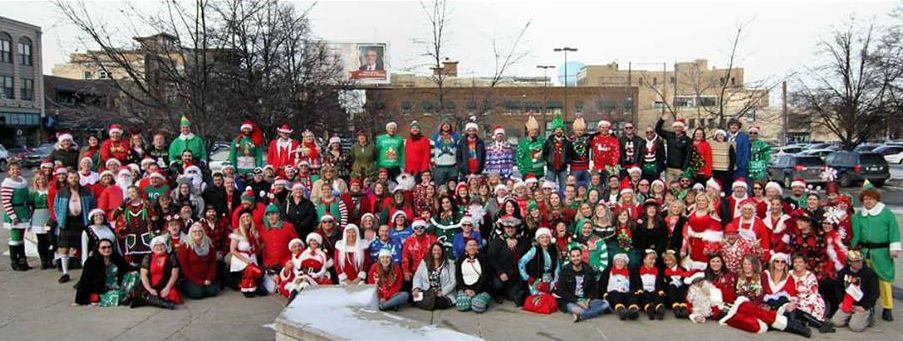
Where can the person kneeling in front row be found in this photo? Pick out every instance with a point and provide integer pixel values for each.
(859, 292)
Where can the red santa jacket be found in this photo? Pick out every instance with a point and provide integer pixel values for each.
(606, 151)
(754, 231)
(416, 155)
(110, 199)
(414, 249)
(281, 157)
(346, 267)
(387, 290)
(110, 149)
(773, 290)
(275, 243)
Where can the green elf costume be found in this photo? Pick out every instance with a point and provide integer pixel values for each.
(390, 151)
(246, 150)
(759, 155)
(187, 141)
(529, 156)
(595, 250)
(16, 217)
(40, 216)
(445, 228)
(877, 232)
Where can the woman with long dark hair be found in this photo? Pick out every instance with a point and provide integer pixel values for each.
(433, 285)
(388, 278)
(107, 278)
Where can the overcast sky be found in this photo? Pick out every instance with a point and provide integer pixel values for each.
(779, 36)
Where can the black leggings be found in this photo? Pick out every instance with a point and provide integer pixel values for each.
(622, 299)
(675, 295)
(651, 299)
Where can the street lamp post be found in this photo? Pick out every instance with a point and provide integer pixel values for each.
(564, 107)
(545, 91)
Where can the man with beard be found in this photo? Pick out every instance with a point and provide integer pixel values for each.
(356, 202)
(680, 147)
(279, 191)
(112, 197)
(580, 148)
(246, 150)
(651, 155)
(158, 151)
(215, 194)
(530, 159)
(156, 188)
(299, 211)
(606, 152)
(259, 185)
(187, 141)
(279, 153)
(629, 144)
(471, 152)
(328, 177)
(444, 153)
(499, 155)
(390, 150)
(134, 226)
(114, 147)
(416, 151)
(797, 197)
(305, 178)
(557, 153)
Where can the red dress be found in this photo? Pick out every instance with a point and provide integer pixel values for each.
(781, 229)
(702, 237)
(159, 276)
(346, 265)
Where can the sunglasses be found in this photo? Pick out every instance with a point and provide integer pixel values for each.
(754, 133)
(105, 247)
(628, 127)
(757, 188)
(466, 224)
(650, 132)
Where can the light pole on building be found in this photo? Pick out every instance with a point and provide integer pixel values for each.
(564, 106)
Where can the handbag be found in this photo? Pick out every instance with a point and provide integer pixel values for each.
(428, 300)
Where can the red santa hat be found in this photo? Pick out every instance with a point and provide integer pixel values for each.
(712, 182)
(549, 184)
(748, 202)
(293, 242)
(61, 171)
(542, 231)
(287, 168)
(772, 184)
(498, 130)
(47, 163)
(124, 171)
(740, 183)
(284, 128)
(247, 124)
(158, 175)
(64, 137)
(112, 161)
(418, 224)
(466, 219)
(775, 256)
(798, 182)
(335, 139)
(471, 125)
(355, 181)
(634, 169)
(752, 129)
(461, 185)
(694, 277)
(297, 187)
(115, 128)
(499, 187)
(316, 236)
(530, 179)
(731, 228)
(626, 187)
(680, 122)
(107, 172)
(279, 180)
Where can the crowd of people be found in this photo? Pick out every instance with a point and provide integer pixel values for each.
(580, 222)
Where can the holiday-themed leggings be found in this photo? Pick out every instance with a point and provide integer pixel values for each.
(620, 300)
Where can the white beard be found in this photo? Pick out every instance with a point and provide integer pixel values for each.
(123, 185)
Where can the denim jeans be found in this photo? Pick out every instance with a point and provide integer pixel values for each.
(593, 309)
(396, 300)
(582, 178)
(559, 177)
(442, 174)
(196, 292)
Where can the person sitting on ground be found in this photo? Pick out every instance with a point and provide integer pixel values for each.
(159, 272)
(197, 258)
(578, 289)
(433, 285)
(859, 292)
(387, 276)
(107, 279)
(473, 279)
(351, 259)
(620, 285)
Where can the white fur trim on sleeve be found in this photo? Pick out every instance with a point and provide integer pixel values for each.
(896, 246)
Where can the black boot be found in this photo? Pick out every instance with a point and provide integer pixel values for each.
(44, 251)
(660, 311)
(794, 326)
(822, 326)
(160, 302)
(633, 312)
(622, 313)
(887, 315)
(23, 259)
(137, 301)
(14, 259)
(649, 311)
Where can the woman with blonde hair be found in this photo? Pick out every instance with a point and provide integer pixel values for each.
(197, 259)
(702, 235)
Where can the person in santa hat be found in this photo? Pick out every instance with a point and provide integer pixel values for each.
(778, 287)
(417, 151)
(707, 301)
(467, 233)
(627, 201)
(274, 236)
(702, 234)
(156, 187)
(86, 176)
(248, 203)
(530, 158)
(336, 157)
(187, 141)
(499, 154)
(308, 268)
(797, 197)
(679, 147)
(750, 226)
(246, 150)
(114, 147)
(471, 154)
(65, 152)
(759, 156)
(390, 150)
(415, 248)
(91, 150)
(113, 196)
(651, 155)
(780, 224)
(280, 151)
(606, 152)
(734, 247)
(860, 290)
(619, 285)
(739, 194)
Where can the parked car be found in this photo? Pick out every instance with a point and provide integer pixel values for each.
(4, 158)
(853, 167)
(34, 157)
(217, 160)
(820, 145)
(892, 154)
(866, 147)
(821, 153)
(788, 167)
(790, 150)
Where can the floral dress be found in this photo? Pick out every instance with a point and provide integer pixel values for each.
(807, 293)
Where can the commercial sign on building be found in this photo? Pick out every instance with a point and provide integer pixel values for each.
(364, 63)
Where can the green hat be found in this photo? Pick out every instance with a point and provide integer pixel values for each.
(415, 124)
(184, 122)
(271, 208)
(867, 185)
(557, 122)
(248, 195)
(532, 205)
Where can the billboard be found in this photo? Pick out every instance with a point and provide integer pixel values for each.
(364, 63)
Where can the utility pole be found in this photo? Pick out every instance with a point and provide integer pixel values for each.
(784, 112)
(545, 91)
(564, 106)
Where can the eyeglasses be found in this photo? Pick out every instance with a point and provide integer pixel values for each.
(328, 222)
(105, 247)
(628, 127)
(754, 133)
(466, 224)
(757, 188)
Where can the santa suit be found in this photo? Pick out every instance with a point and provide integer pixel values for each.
(347, 266)
(110, 149)
(414, 249)
(754, 230)
(734, 208)
(783, 290)
(837, 254)
(780, 232)
(309, 268)
(606, 152)
(702, 237)
(279, 153)
(110, 199)
(742, 315)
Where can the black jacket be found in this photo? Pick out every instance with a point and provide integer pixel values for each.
(68, 157)
(680, 148)
(462, 155)
(482, 284)
(656, 238)
(303, 215)
(677, 236)
(548, 152)
(659, 154)
(632, 159)
(216, 196)
(567, 285)
(867, 280)
(93, 279)
(502, 260)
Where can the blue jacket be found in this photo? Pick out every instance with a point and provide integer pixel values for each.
(377, 245)
(459, 242)
(742, 146)
(61, 205)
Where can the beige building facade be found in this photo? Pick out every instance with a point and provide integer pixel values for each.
(21, 84)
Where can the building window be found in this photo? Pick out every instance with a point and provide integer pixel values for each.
(579, 106)
(6, 48)
(27, 89)
(103, 75)
(172, 90)
(706, 101)
(406, 107)
(24, 51)
(733, 81)
(6, 87)
(88, 75)
(654, 81)
(673, 80)
(658, 104)
(683, 101)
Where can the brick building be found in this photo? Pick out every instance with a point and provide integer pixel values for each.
(21, 84)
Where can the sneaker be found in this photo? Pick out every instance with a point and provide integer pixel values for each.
(576, 318)
(63, 279)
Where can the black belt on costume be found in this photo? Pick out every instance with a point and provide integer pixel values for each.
(869, 245)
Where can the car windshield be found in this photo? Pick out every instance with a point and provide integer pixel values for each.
(809, 161)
